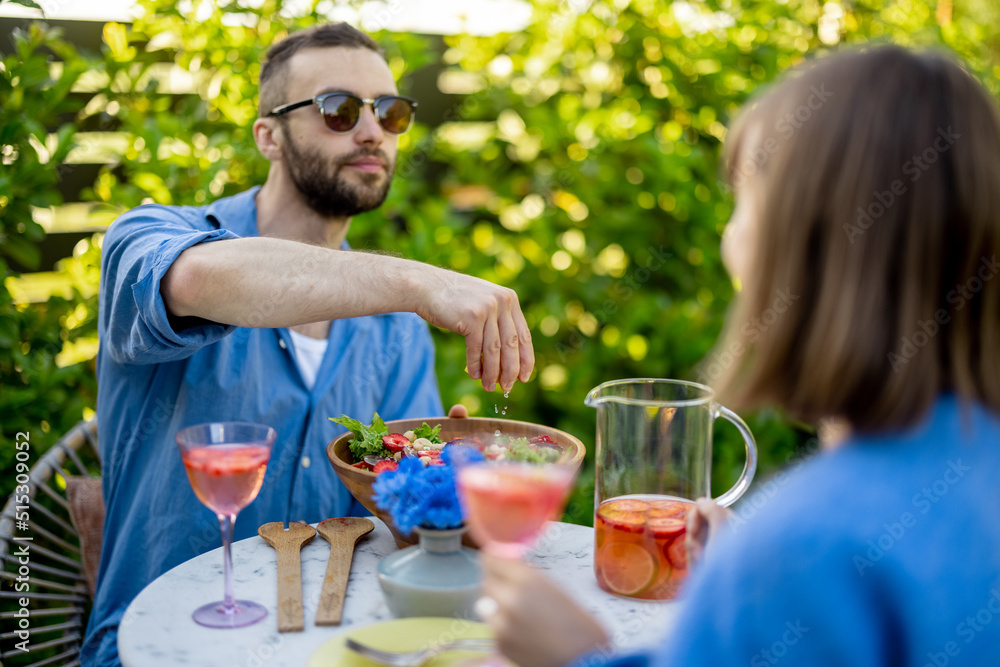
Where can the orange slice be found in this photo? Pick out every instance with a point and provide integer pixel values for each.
(627, 569)
(625, 514)
(625, 505)
(667, 508)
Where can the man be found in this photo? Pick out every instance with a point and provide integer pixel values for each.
(249, 309)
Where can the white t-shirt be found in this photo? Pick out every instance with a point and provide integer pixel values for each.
(308, 355)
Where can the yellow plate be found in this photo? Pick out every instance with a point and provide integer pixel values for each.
(404, 634)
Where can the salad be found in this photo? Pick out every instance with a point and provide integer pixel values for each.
(374, 448)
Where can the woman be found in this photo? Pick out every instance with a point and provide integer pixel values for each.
(869, 185)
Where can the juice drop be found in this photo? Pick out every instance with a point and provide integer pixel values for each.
(497, 433)
(495, 409)
(506, 394)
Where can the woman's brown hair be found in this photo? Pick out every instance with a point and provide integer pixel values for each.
(873, 285)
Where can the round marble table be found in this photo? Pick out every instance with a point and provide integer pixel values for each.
(157, 628)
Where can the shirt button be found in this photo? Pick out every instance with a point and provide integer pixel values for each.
(281, 344)
(306, 462)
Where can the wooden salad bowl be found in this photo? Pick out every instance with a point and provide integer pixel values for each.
(359, 482)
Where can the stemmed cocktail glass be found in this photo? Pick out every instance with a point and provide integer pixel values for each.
(507, 504)
(225, 463)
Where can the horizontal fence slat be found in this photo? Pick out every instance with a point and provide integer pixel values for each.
(43, 596)
(45, 629)
(55, 611)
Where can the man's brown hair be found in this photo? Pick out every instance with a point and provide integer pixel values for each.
(873, 285)
(328, 35)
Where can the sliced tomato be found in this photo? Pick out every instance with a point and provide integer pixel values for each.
(395, 442)
(362, 465)
(382, 466)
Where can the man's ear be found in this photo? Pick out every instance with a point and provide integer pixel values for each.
(268, 135)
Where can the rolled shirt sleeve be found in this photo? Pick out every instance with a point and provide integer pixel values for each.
(137, 252)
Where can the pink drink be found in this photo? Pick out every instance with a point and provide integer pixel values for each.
(226, 478)
(508, 504)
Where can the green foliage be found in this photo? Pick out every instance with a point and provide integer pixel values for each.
(40, 396)
(580, 170)
(26, 3)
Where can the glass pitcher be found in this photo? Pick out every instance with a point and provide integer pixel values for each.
(653, 457)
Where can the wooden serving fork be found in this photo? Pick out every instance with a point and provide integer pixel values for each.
(288, 544)
(342, 534)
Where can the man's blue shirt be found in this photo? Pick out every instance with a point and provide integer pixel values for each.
(156, 377)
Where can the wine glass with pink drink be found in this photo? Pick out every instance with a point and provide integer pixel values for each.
(507, 504)
(225, 463)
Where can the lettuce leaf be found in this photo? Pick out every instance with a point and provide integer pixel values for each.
(519, 449)
(432, 434)
(367, 439)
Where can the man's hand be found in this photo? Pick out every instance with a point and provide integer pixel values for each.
(497, 340)
(702, 524)
(536, 623)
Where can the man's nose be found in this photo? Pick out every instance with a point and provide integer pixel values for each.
(368, 130)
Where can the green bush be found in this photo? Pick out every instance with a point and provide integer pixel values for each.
(581, 169)
(39, 396)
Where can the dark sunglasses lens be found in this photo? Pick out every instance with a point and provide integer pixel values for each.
(395, 114)
(341, 112)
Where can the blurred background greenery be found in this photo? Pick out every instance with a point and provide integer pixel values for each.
(574, 160)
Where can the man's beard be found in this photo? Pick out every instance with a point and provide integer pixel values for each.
(326, 192)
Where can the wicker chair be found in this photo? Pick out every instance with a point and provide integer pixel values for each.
(59, 595)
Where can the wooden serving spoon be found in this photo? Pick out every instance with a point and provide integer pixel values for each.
(342, 534)
(288, 543)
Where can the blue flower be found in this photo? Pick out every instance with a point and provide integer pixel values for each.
(418, 495)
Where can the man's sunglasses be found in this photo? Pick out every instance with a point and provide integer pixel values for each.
(342, 111)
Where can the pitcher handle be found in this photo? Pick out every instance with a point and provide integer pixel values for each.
(749, 468)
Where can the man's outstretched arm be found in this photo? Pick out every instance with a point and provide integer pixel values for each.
(268, 282)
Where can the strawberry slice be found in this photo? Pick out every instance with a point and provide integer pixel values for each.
(677, 554)
(433, 453)
(382, 466)
(664, 528)
(543, 438)
(362, 465)
(395, 442)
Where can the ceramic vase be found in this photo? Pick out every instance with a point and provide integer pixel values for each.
(436, 577)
